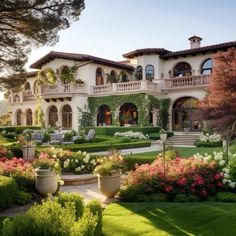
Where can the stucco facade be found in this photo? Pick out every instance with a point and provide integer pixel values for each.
(181, 76)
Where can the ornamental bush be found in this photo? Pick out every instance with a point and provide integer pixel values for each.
(21, 171)
(71, 198)
(131, 134)
(209, 140)
(190, 176)
(8, 191)
(225, 197)
(50, 218)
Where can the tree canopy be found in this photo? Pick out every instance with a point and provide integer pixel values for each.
(27, 23)
(219, 106)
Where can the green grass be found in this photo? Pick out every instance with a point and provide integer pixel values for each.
(163, 219)
(183, 151)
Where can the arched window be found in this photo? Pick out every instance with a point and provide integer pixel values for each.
(36, 87)
(99, 76)
(128, 114)
(206, 68)
(29, 117)
(182, 69)
(149, 72)
(104, 115)
(52, 116)
(139, 73)
(67, 116)
(124, 77)
(27, 86)
(19, 117)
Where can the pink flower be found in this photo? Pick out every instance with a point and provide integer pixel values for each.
(169, 189)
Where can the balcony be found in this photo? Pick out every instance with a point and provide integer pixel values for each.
(196, 81)
(61, 90)
(126, 87)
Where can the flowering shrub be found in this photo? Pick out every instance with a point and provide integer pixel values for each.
(228, 171)
(20, 170)
(4, 152)
(190, 176)
(212, 138)
(209, 140)
(77, 162)
(44, 162)
(106, 165)
(131, 134)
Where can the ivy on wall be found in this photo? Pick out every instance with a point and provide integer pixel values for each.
(142, 101)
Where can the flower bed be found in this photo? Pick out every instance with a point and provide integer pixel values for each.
(194, 178)
(131, 134)
(209, 140)
(77, 162)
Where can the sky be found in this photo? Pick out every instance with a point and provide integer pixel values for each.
(110, 28)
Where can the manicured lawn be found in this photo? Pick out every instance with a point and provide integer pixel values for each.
(178, 219)
(183, 151)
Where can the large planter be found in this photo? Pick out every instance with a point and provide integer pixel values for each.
(46, 181)
(28, 152)
(109, 185)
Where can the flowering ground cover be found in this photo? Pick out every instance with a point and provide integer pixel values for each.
(166, 219)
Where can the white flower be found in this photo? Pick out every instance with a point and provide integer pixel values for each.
(79, 152)
(85, 160)
(232, 184)
(226, 170)
(224, 181)
(82, 167)
(93, 162)
(226, 175)
(76, 160)
(84, 153)
(54, 156)
(222, 162)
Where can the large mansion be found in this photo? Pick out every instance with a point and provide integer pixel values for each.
(118, 93)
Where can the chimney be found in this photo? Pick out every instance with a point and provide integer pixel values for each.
(195, 41)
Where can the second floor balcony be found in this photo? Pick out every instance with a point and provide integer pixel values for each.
(186, 82)
(125, 87)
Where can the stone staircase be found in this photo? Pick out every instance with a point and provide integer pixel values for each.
(183, 139)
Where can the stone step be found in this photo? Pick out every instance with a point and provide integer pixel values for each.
(187, 139)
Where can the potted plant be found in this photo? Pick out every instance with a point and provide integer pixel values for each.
(28, 147)
(109, 172)
(47, 175)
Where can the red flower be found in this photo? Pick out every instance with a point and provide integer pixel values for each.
(220, 184)
(169, 189)
(218, 176)
(182, 181)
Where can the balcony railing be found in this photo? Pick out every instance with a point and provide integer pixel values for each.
(62, 89)
(133, 86)
(187, 82)
(29, 97)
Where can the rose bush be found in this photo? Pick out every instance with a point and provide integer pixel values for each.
(192, 176)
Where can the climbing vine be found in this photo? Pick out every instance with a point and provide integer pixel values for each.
(142, 101)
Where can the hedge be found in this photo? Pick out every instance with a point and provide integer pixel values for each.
(156, 136)
(18, 129)
(110, 130)
(198, 143)
(8, 191)
(131, 161)
(97, 147)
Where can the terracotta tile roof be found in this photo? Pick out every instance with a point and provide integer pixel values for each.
(143, 51)
(79, 57)
(31, 74)
(205, 49)
(166, 54)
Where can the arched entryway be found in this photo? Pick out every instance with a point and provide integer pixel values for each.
(52, 116)
(184, 114)
(67, 117)
(128, 114)
(182, 69)
(104, 116)
(29, 117)
(19, 117)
